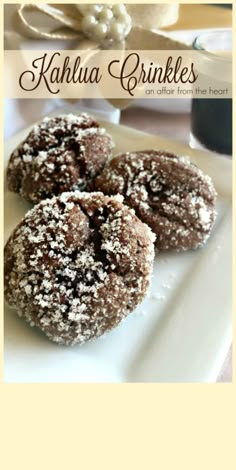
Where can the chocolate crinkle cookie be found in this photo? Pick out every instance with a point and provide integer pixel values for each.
(62, 153)
(77, 264)
(169, 193)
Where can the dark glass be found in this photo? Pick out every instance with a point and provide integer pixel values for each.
(212, 123)
(212, 117)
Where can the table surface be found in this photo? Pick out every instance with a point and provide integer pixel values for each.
(175, 127)
(199, 16)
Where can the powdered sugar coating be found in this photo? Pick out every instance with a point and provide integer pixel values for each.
(77, 265)
(169, 193)
(60, 154)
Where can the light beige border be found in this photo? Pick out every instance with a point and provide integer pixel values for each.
(117, 427)
(1, 199)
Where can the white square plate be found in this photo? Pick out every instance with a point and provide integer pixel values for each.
(181, 332)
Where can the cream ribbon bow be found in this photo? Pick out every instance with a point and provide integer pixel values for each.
(63, 22)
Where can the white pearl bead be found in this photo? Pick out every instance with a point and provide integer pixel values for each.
(117, 31)
(88, 22)
(122, 18)
(100, 31)
(127, 30)
(102, 22)
(119, 9)
(106, 14)
(94, 9)
(128, 25)
(128, 19)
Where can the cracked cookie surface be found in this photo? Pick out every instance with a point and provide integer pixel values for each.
(77, 265)
(62, 153)
(169, 193)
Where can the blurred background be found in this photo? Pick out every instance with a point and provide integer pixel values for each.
(165, 117)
